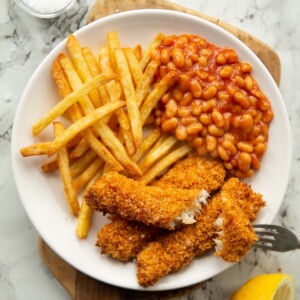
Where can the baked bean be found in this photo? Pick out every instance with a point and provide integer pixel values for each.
(194, 128)
(197, 142)
(209, 92)
(211, 143)
(171, 66)
(183, 112)
(218, 118)
(241, 99)
(227, 117)
(171, 108)
(235, 121)
(228, 165)
(214, 130)
(260, 149)
(201, 74)
(206, 52)
(246, 123)
(209, 105)
(196, 107)
(166, 97)
(202, 61)
(226, 71)
(258, 118)
(229, 137)
(165, 56)
(223, 153)
(205, 119)
(264, 105)
(246, 147)
(239, 80)
(214, 154)
(229, 146)
(184, 82)
(194, 57)
(181, 133)
(204, 132)
(178, 57)
(267, 116)
(186, 99)
(246, 68)
(249, 82)
(196, 88)
(260, 139)
(189, 120)
(169, 124)
(188, 63)
(211, 78)
(202, 150)
(157, 121)
(264, 129)
(230, 56)
(163, 70)
(177, 94)
(252, 101)
(192, 47)
(158, 113)
(221, 60)
(222, 95)
(244, 161)
(255, 163)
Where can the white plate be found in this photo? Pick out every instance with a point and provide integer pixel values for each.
(42, 195)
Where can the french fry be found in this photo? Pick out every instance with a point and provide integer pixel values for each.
(154, 44)
(164, 163)
(147, 143)
(134, 66)
(138, 52)
(91, 61)
(50, 166)
(113, 43)
(159, 90)
(35, 149)
(150, 120)
(78, 59)
(128, 89)
(80, 149)
(105, 65)
(158, 152)
(82, 124)
(79, 165)
(74, 111)
(86, 213)
(88, 174)
(107, 135)
(63, 162)
(68, 101)
(143, 86)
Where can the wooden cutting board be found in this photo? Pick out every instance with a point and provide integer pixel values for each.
(79, 285)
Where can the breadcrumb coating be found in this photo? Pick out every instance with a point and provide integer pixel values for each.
(178, 248)
(236, 235)
(150, 205)
(194, 172)
(123, 239)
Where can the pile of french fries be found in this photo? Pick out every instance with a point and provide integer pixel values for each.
(109, 97)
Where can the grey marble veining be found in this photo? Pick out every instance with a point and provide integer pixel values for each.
(25, 41)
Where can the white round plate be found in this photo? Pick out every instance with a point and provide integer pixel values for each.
(42, 194)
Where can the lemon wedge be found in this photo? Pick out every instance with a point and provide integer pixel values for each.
(267, 287)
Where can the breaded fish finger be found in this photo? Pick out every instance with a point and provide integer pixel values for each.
(150, 205)
(176, 249)
(194, 172)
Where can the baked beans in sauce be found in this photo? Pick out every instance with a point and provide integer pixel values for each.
(216, 105)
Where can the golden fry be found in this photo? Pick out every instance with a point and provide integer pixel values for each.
(158, 152)
(147, 143)
(35, 149)
(138, 52)
(81, 67)
(105, 65)
(159, 90)
(128, 89)
(82, 163)
(165, 162)
(82, 124)
(143, 86)
(113, 43)
(68, 101)
(63, 162)
(80, 149)
(86, 213)
(88, 174)
(134, 66)
(154, 44)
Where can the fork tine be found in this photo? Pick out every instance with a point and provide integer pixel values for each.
(266, 233)
(262, 246)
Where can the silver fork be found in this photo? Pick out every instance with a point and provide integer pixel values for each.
(275, 238)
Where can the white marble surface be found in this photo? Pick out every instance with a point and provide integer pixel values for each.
(25, 41)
